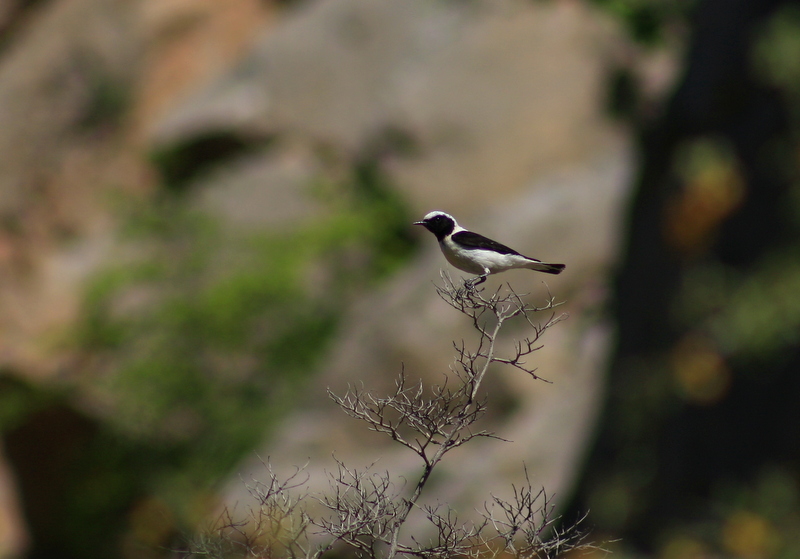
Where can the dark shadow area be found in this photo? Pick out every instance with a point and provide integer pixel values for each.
(13, 17)
(671, 452)
(181, 163)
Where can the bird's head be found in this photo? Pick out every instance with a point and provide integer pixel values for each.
(438, 223)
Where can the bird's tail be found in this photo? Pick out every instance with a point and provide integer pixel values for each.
(545, 267)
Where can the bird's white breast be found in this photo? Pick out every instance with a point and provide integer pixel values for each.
(479, 261)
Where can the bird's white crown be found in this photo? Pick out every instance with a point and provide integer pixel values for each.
(434, 213)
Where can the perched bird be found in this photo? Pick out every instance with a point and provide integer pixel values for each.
(475, 253)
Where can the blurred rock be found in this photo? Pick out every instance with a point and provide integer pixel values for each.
(62, 94)
(491, 94)
(406, 325)
(78, 79)
(503, 104)
(188, 44)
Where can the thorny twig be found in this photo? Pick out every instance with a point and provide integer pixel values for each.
(276, 526)
(526, 526)
(499, 307)
(366, 513)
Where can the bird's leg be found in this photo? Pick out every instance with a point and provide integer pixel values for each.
(476, 281)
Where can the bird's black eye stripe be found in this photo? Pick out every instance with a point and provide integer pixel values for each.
(440, 225)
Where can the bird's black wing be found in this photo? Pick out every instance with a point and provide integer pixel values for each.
(468, 239)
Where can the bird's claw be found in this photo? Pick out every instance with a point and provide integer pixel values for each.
(474, 282)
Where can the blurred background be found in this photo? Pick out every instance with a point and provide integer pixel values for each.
(205, 213)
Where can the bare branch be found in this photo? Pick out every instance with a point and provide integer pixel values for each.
(526, 527)
(364, 511)
(364, 507)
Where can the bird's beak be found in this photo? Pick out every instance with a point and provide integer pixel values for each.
(418, 223)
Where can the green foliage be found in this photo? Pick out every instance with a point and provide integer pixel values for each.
(776, 54)
(754, 520)
(18, 399)
(647, 20)
(214, 344)
(751, 313)
(762, 315)
(199, 338)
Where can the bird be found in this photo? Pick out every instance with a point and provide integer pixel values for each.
(476, 254)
